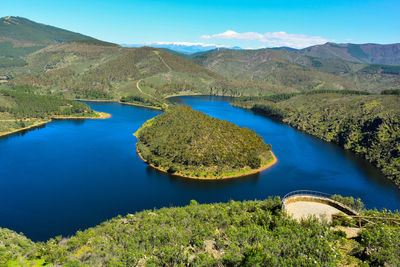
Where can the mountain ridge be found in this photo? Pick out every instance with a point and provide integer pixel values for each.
(300, 71)
(370, 53)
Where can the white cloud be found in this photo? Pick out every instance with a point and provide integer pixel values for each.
(271, 39)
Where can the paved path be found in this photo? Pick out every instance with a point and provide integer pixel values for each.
(304, 209)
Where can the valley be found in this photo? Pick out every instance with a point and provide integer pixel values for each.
(82, 191)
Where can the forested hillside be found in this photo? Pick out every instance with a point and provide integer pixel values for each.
(20, 37)
(21, 108)
(191, 143)
(77, 66)
(250, 233)
(368, 125)
(291, 69)
(388, 54)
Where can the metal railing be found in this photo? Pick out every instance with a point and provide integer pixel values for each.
(307, 193)
(359, 221)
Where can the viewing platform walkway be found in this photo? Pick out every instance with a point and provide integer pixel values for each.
(305, 203)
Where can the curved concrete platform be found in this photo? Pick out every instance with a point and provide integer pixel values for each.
(303, 204)
(304, 209)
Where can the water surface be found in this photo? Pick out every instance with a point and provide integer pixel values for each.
(71, 175)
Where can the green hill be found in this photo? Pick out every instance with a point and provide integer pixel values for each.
(278, 67)
(190, 143)
(21, 36)
(22, 31)
(76, 66)
(362, 53)
(291, 69)
(92, 71)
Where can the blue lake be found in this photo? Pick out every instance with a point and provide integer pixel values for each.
(71, 175)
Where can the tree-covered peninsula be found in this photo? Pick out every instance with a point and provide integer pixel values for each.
(192, 144)
(21, 109)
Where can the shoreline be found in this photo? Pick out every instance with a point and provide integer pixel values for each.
(262, 168)
(103, 115)
(35, 125)
(196, 94)
(249, 108)
(139, 105)
(117, 101)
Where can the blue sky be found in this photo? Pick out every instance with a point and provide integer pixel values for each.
(248, 24)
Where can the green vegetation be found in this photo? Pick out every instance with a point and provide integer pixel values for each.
(368, 125)
(90, 71)
(384, 69)
(298, 70)
(355, 204)
(191, 143)
(20, 108)
(274, 67)
(379, 245)
(391, 92)
(8, 50)
(140, 100)
(249, 233)
(362, 53)
(24, 31)
(79, 67)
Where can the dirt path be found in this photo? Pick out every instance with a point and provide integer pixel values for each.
(162, 60)
(140, 89)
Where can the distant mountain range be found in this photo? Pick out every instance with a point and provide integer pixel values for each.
(182, 47)
(297, 70)
(388, 54)
(80, 66)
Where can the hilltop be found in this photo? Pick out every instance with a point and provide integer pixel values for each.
(21, 36)
(24, 32)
